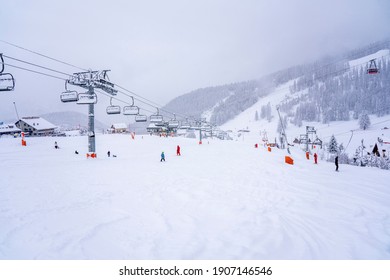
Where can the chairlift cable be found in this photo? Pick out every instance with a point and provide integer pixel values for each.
(36, 65)
(45, 56)
(34, 71)
(280, 89)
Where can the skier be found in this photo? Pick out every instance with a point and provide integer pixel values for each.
(108, 153)
(162, 157)
(336, 162)
(178, 150)
(56, 145)
(315, 158)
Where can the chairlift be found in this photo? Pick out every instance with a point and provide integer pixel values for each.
(113, 109)
(69, 96)
(185, 125)
(130, 110)
(2, 63)
(157, 118)
(87, 98)
(141, 118)
(173, 123)
(160, 124)
(372, 68)
(7, 82)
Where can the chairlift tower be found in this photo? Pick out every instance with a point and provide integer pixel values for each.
(284, 132)
(92, 80)
(309, 131)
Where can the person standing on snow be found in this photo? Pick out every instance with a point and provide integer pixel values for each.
(178, 150)
(315, 158)
(162, 157)
(336, 162)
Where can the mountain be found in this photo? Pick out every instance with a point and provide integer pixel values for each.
(335, 88)
(71, 120)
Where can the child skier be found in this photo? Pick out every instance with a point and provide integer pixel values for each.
(162, 157)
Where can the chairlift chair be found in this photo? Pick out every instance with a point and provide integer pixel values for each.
(7, 82)
(157, 118)
(372, 68)
(2, 63)
(87, 98)
(131, 110)
(173, 123)
(141, 118)
(185, 125)
(69, 96)
(113, 109)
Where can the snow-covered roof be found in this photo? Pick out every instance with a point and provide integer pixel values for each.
(154, 126)
(38, 123)
(8, 128)
(119, 126)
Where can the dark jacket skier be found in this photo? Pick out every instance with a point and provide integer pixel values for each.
(336, 162)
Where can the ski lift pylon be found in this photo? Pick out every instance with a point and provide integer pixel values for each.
(372, 68)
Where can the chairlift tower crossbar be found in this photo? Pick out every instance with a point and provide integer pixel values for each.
(91, 80)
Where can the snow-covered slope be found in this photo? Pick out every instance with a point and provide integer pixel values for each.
(363, 60)
(219, 200)
(347, 133)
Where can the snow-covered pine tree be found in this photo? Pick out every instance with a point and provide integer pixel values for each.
(269, 112)
(333, 147)
(364, 121)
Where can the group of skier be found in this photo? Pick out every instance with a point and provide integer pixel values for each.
(336, 160)
(177, 153)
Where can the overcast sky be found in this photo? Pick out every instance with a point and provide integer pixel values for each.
(163, 49)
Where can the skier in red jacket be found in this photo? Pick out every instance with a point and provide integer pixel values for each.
(315, 158)
(178, 150)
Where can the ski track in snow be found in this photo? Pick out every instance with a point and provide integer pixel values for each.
(222, 200)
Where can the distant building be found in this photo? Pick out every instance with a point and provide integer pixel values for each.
(36, 126)
(155, 129)
(119, 128)
(9, 128)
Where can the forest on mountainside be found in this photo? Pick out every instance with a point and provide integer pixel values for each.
(324, 91)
